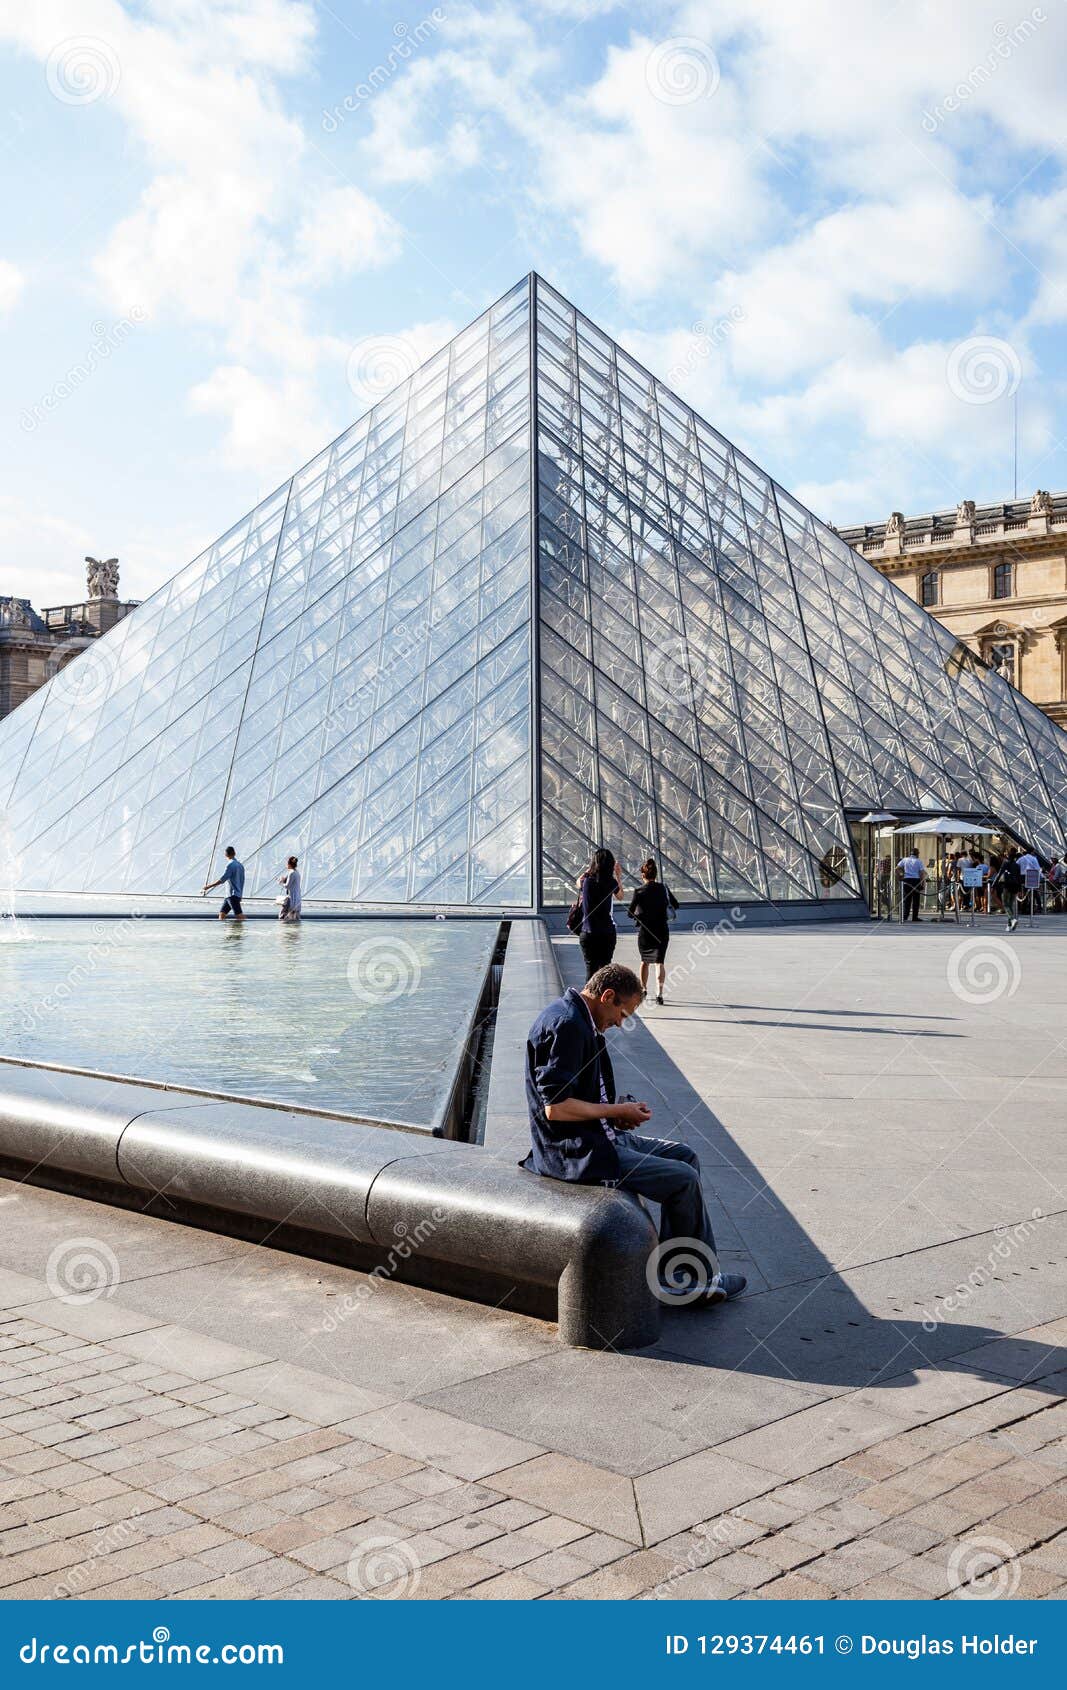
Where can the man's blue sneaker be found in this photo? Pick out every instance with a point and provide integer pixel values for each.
(722, 1287)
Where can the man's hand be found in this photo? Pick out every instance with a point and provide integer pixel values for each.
(631, 1114)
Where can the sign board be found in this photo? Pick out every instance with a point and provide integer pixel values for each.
(973, 877)
(1032, 879)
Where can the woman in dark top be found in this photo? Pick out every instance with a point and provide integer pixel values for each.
(650, 907)
(598, 885)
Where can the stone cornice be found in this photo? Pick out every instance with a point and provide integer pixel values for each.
(948, 550)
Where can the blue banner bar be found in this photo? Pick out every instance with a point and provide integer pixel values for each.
(537, 1644)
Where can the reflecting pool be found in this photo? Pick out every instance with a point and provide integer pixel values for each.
(363, 1018)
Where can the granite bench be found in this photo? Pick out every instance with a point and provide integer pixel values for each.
(465, 1206)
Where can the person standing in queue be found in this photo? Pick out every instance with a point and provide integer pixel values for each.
(651, 907)
(598, 887)
(912, 876)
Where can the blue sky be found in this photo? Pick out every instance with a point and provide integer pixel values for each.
(837, 229)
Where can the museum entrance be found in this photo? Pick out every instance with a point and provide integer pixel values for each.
(883, 838)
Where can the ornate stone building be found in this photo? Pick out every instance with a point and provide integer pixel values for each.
(35, 645)
(996, 576)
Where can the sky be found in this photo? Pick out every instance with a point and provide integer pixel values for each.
(838, 229)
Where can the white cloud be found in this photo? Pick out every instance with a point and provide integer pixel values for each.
(271, 424)
(828, 290)
(1039, 225)
(42, 554)
(344, 232)
(414, 137)
(12, 282)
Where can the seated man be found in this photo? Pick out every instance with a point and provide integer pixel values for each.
(581, 1133)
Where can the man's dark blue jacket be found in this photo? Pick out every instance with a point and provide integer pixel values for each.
(565, 1057)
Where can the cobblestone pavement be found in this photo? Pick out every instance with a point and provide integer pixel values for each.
(122, 1478)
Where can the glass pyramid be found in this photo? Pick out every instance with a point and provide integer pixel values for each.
(528, 603)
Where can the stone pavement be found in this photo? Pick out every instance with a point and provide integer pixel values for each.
(882, 1414)
(158, 1464)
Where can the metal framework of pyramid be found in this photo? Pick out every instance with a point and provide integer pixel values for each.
(529, 603)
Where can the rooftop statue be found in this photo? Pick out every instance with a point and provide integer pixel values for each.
(103, 578)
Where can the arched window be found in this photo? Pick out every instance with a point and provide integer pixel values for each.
(931, 587)
(1003, 584)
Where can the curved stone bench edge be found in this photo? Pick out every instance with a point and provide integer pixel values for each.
(594, 1243)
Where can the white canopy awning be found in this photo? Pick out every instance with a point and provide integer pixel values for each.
(949, 826)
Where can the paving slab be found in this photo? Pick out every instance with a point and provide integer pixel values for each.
(37, 1223)
(183, 1350)
(680, 1495)
(442, 1440)
(396, 1339)
(298, 1390)
(579, 1491)
(671, 1409)
(19, 1289)
(814, 1438)
(99, 1319)
(885, 1159)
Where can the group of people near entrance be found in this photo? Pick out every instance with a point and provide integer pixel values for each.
(996, 885)
(233, 878)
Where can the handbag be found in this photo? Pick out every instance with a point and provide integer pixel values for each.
(574, 917)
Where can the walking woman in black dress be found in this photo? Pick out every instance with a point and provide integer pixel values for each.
(650, 907)
(598, 886)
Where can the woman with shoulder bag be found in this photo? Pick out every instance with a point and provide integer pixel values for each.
(598, 886)
(651, 907)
